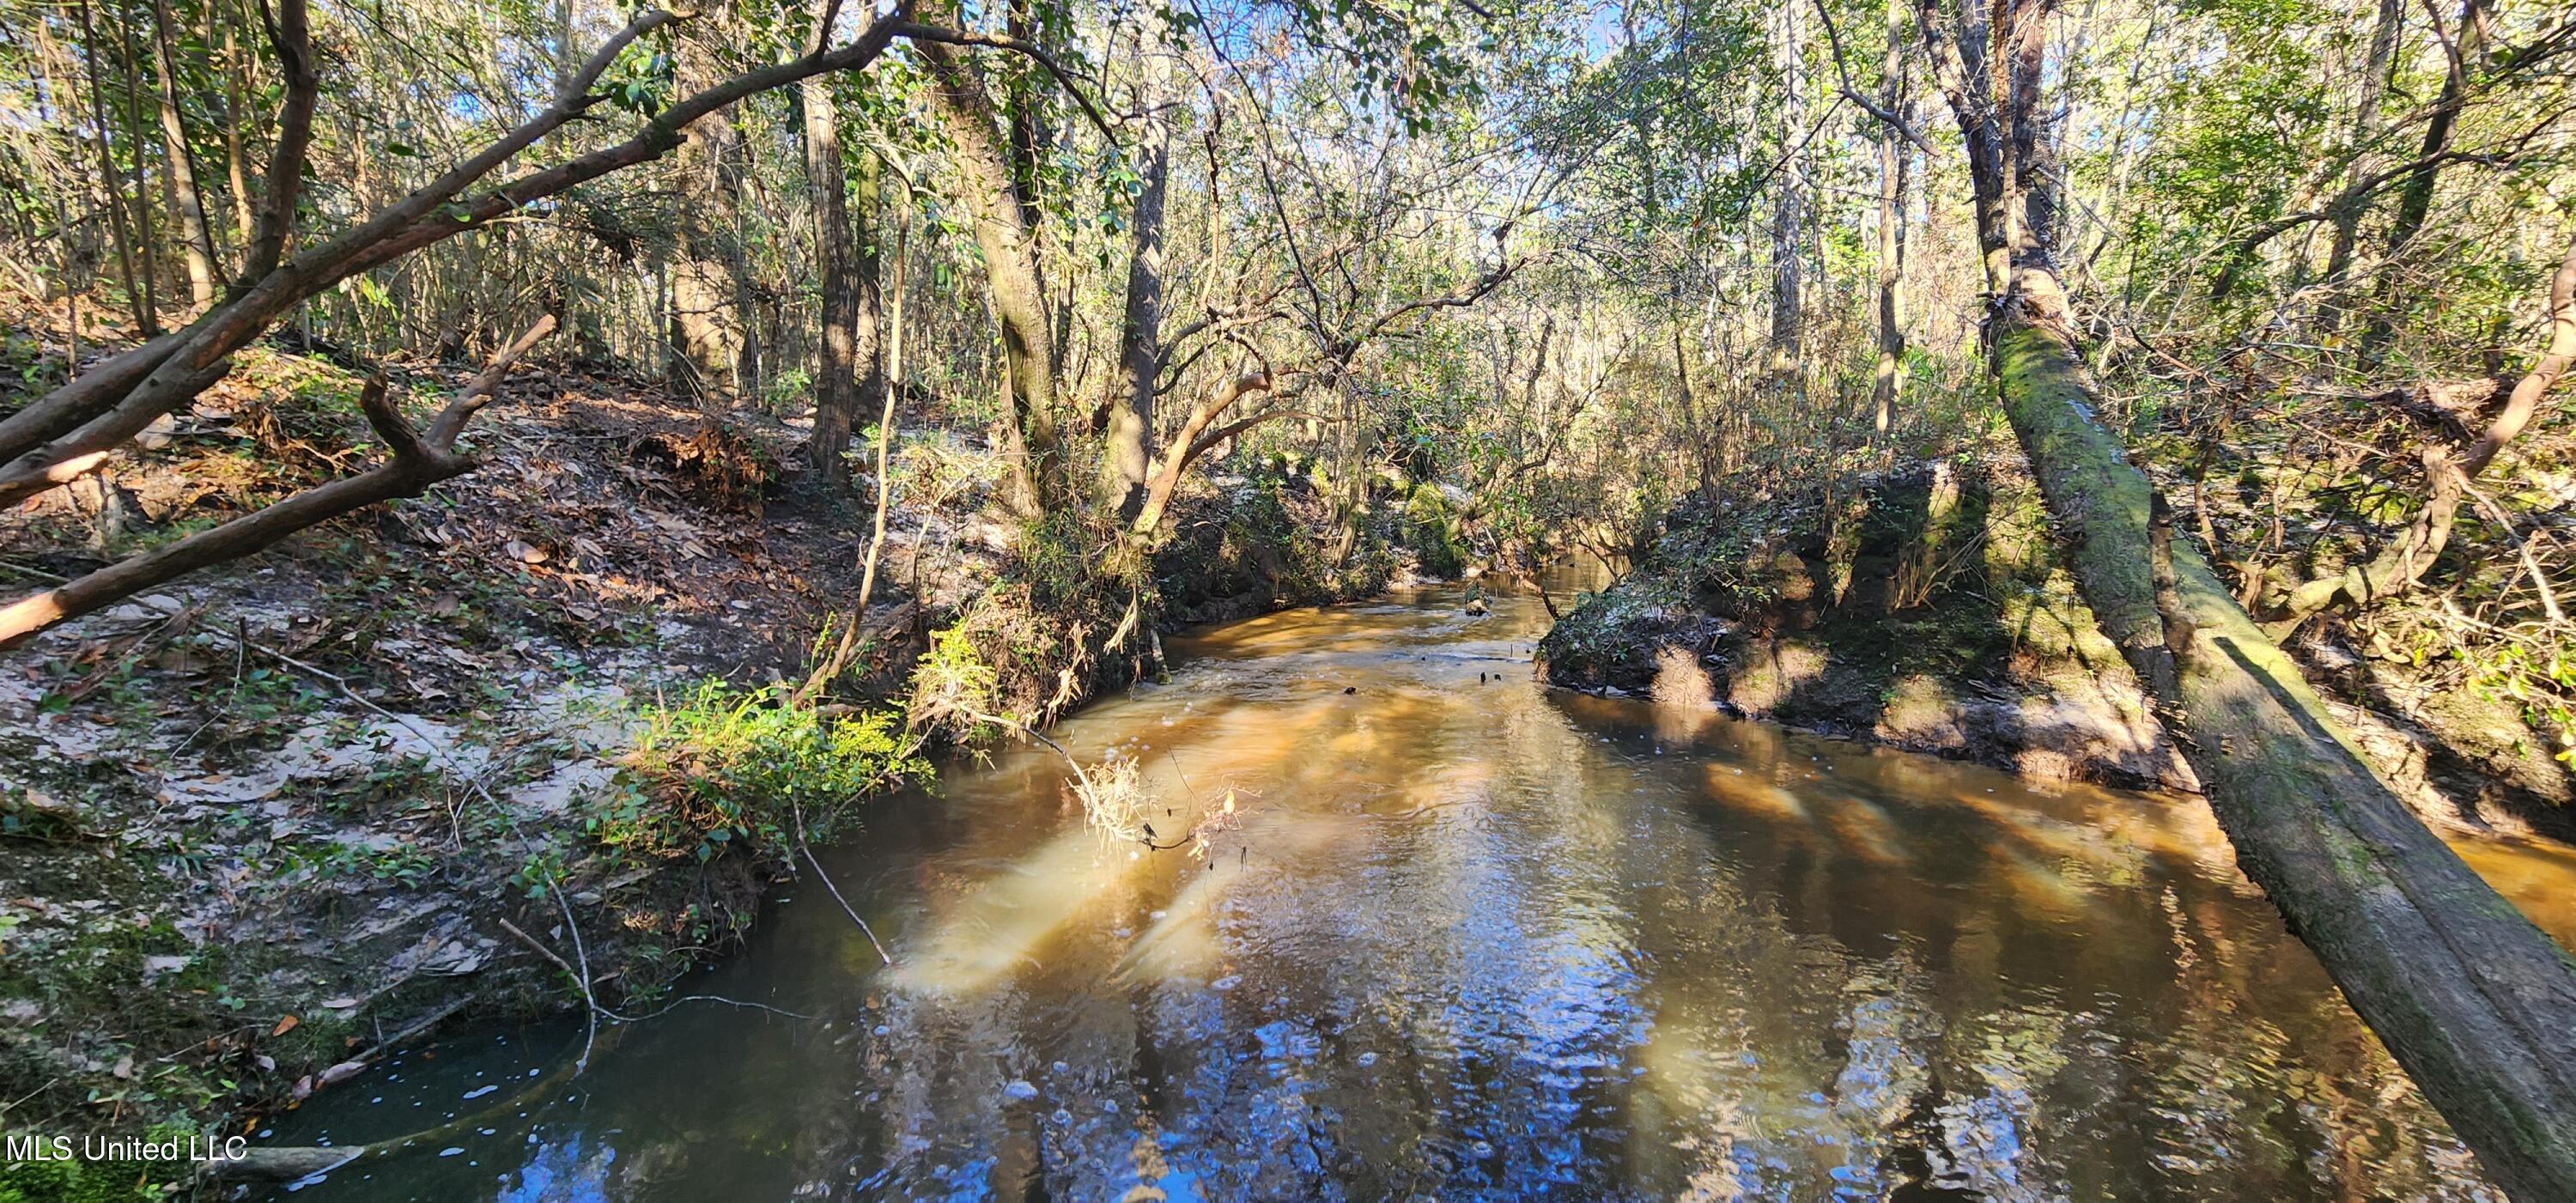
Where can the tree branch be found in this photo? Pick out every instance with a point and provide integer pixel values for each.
(1894, 120)
(412, 465)
(914, 31)
(2404, 562)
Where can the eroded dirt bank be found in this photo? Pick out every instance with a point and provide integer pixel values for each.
(446, 760)
(1925, 609)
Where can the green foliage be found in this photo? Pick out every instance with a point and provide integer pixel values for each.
(723, 764)
(78, 1181)
(25, 369)
(641, 80)
(1431, 531)
(1058, 557)
(2536, 677)
(953, 678)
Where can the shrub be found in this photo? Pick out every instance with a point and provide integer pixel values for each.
(723, 765)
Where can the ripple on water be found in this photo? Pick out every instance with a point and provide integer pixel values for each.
(1477, 939)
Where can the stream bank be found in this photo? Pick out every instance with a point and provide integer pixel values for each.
(1926, 608)
(1419, 927)
(261, 830)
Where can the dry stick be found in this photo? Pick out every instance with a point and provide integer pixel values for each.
(801, 846)
(2539, 579)
(386, 1045)
(536, 947)
(1011, 724)
(291, 1163)
(1089, 790)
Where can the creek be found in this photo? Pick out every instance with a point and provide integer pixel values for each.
(1435, 930)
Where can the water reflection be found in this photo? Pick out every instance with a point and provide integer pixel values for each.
(1464, 937)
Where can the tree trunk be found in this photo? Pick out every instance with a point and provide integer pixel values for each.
(2477, 1004)
(2415, 201)
(2032, 177)
(1788, 200)
(2365, 126)
(836, 361)
(707, 335)
(1888, 384)
(237, 115)
(1030, 136)
(868, 334)
(1131, 424)
(128, 268)
(1194, 439)
(188, 205)
(1028, 441)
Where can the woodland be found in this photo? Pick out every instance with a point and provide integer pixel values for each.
(882, 382)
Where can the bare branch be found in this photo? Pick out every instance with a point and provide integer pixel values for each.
(1894, 120)
(411, 466)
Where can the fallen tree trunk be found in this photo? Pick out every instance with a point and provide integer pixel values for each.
(86, 396)
(416, 461)
(2474, 1002)
(2477, 1004)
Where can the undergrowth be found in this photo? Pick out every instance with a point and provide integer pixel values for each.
(722, 765)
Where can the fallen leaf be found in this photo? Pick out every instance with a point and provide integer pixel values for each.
(284, 1026)
(524, 553)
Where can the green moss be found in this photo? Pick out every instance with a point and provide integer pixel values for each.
(1430, 528)
(2100, 501)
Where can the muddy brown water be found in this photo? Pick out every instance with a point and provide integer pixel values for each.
(1462, 936)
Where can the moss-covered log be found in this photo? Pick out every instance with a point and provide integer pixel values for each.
(2476, 1003)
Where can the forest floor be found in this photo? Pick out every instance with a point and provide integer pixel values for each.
(261, 827)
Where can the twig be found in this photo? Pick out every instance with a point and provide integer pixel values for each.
(38, 573)
(801, 846)
(2539, 579)
(538, 948)
(675, 1004)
